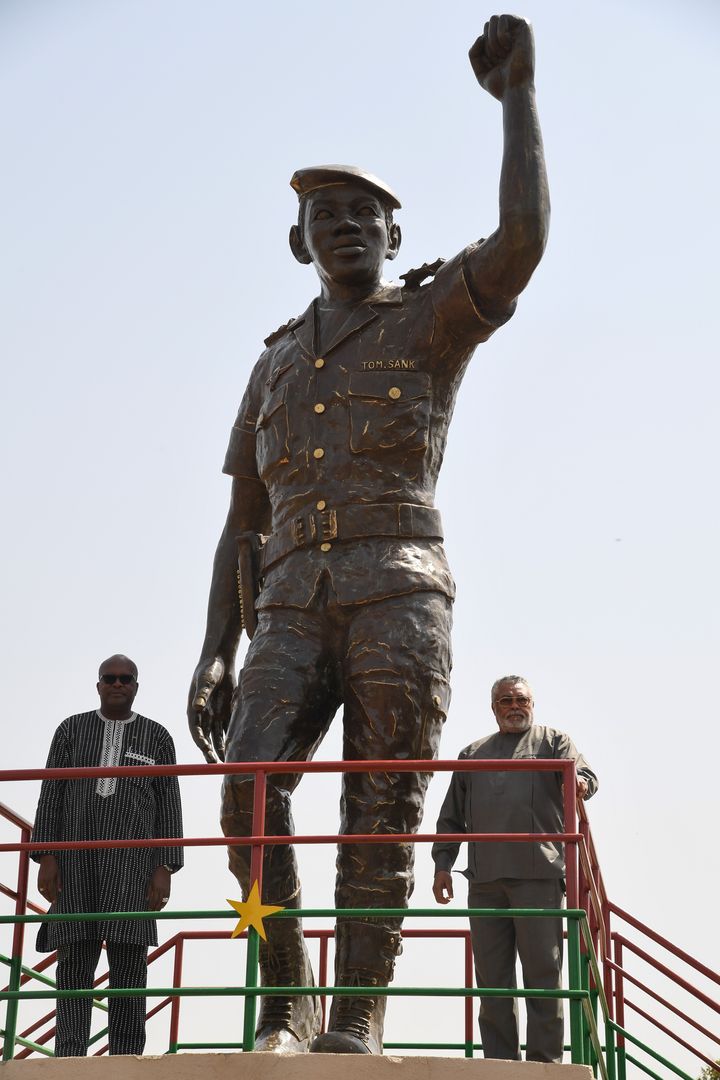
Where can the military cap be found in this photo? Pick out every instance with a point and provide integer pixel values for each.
(305, 181)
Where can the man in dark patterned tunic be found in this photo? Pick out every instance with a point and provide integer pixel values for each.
(107, 879)
(335, 454)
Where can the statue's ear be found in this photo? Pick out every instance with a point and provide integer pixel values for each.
(395, 239)
(297, 246)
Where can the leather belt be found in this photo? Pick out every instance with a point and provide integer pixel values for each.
(358, 522)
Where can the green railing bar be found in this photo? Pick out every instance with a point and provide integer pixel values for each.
(33, 974)
(574, 975)
(594, 1039)
(31, 1045)
(294, 991)
(652, 1053)
(645, 1068)
(309, 913)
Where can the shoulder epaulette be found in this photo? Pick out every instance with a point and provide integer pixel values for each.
(413, 279)
(276, 334)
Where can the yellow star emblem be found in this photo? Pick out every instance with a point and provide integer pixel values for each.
(252, 912)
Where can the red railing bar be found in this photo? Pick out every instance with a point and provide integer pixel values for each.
(677, 979)
(14, 818)
(681, 955)
(392, 765)
(595, 901)
(175, 1007)
(572, 882)
(13, 896)
(667, 1031)
(667, 1004)
(344, 838)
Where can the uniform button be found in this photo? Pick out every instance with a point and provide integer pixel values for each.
(394, 392)
(319, 408)
(326, 547)
(320, 504)
(319, 362)
(318, 453)
(436, 701)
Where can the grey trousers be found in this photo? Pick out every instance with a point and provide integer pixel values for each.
(497, 943)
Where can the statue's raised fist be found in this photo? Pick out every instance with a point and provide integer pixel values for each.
(503, 56)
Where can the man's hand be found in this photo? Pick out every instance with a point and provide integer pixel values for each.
(209, 707)
(504, 56)
(158, 890)
(582, 787)
(49, 880)
(443, 887)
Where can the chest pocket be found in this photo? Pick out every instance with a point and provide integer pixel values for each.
(389, 411)
(272, 432)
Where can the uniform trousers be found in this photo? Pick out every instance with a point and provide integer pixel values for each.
(497, 943)
(387, 662)
(126, 1015)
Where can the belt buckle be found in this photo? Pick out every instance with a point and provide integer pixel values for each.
(326, 524)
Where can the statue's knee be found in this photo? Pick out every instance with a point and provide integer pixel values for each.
(237, 805)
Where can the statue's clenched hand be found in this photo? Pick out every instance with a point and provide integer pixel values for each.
(503, 57)
(209, 707)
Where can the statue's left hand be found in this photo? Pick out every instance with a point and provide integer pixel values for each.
(503, 57)
(209, 706)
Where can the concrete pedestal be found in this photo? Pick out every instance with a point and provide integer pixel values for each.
(296, 1067)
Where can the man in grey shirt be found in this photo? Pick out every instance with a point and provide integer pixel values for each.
(511, 874)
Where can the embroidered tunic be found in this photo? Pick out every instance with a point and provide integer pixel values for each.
(126, 808)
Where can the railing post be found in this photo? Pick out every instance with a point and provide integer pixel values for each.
(11, 1012)
(620, 1008)
(253, 938)
(575, 979)
(175, 1003)
(570, 824)
(322, 977)
(469, 971)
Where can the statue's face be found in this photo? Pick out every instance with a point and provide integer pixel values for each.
(346, 234)
(513, 707)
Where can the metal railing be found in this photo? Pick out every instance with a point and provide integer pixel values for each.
(592, 983)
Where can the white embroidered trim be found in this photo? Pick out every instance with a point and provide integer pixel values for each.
(110, 757)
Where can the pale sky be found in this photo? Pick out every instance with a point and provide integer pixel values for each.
(144, 211)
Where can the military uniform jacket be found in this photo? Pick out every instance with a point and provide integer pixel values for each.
(124, 808)
(485, 802)
(361, 419)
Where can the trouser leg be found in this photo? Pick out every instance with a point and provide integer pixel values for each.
(76, 965)
(494, 952)
(286, 699)
(395, 675)
(540, 947)
(126, 1015)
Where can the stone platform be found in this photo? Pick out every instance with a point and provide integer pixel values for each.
(296, 1067)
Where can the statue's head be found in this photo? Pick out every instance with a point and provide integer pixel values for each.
(345, 223)
(512, 702)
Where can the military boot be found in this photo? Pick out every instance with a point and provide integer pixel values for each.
(286, 1025)
(364, 956)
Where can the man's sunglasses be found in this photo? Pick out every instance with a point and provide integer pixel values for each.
(110, 680)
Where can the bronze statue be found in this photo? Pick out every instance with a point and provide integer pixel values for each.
(333, 536)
